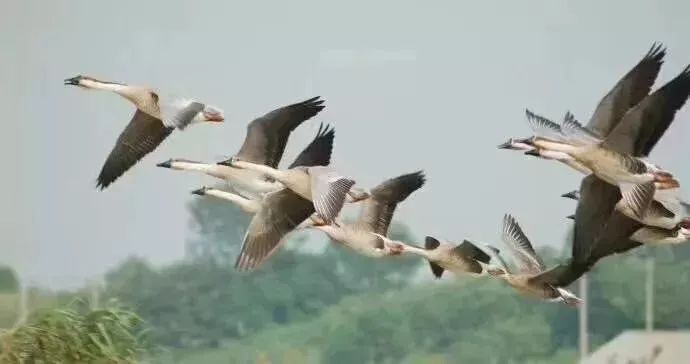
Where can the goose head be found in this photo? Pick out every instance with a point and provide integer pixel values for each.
(517, 144)
(201, 191)
(177, 163)
(573, 195)
(533, 152)
(88, 82)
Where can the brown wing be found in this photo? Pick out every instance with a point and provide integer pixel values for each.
(643, 125)
(614, 239)
(627, 92)
(597, 201)
(280, 213)
(377, 210)
(141, 136)
(469, 250)
(267, 135)
(318, 152)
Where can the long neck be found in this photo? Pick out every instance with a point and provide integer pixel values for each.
(260, 168)
(250, 206)
(555, 146)
(210, 169)
(335, 233)
(416, 250)
(105, 86)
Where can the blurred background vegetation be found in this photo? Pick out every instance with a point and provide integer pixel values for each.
(315, 302)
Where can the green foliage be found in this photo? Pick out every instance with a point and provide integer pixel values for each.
(202, 301)
(8, 280)
(71, 335)
(335, 306)
(219, 228)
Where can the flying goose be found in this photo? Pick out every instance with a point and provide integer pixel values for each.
(610, 165)
(626, 93)
(616, 155)
(153, 120)
(326, 189)
(283, 211)
(314, 154)
(531, 280)
(264, 144)
(671, 230)
(600, 229)
(366, 235)
(463, 258)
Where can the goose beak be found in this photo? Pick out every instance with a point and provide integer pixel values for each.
(532, 152)
(74, 81)
(506, 145)
(228, 162)
(213, 117)
(571, 195)
(201, 191)
(166, 164)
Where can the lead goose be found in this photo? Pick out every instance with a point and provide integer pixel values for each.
(532, 279)
(366, 235)
(152, 122)
(465, 258)
(263, 144)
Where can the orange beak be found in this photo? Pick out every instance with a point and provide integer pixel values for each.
(212, 117)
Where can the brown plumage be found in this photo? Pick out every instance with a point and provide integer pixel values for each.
(141, 136)
(627, 92)
(378, 209)
(282, 211)
(643, 125)
(267, 135)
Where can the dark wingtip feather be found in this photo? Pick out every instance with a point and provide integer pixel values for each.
(431, 243)
(656, 53)
(397, 189)
(318, 152)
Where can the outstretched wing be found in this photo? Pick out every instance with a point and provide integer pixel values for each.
(528, 260)
(141, 136)
(267, 135)
(280, 213)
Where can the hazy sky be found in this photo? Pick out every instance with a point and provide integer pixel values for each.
(408, 85)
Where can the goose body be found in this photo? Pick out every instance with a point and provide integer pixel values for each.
(319, 184)
(465, 258)
(609, 165)
(264, 144)
(532, 278)
(154, 120)
(367, 235)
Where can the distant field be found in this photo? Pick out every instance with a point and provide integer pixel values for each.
(8, 309)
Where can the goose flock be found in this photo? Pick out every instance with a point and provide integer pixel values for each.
(624, 200)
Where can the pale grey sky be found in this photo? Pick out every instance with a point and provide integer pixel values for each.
(408, 85)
